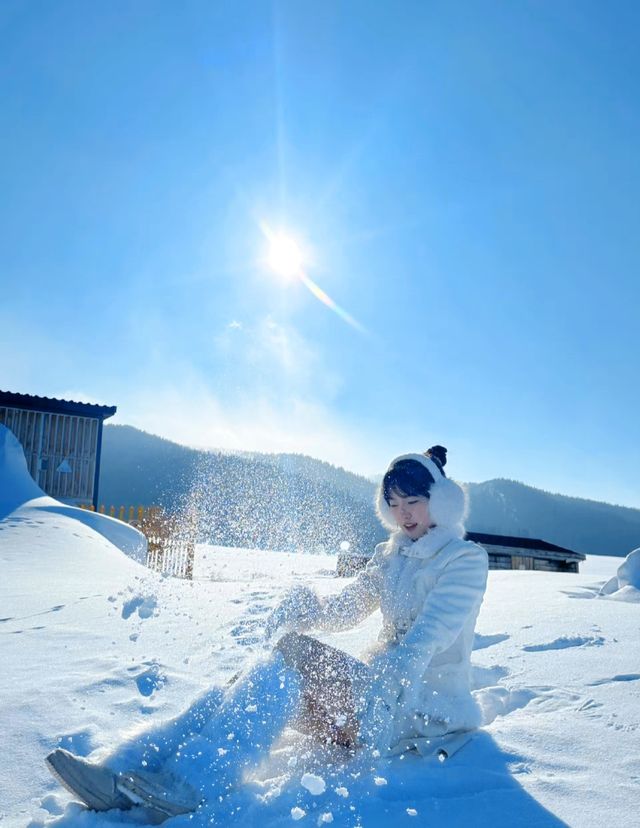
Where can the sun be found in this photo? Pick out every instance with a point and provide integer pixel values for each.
(284, 256)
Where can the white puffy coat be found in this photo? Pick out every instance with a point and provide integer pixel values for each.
(429, 592)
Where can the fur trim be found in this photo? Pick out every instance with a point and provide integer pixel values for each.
(447, 499)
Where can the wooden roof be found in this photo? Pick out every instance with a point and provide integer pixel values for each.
(533, 544)
(30, 402)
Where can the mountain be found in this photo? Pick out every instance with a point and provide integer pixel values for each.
(511, 508)
(289, 501)
(285, 502)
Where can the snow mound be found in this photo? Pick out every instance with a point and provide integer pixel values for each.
(625, 584)
(18, 488)
(16, 484)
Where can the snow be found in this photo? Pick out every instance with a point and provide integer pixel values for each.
(96, 647)
(625, 584)
(18, 488)
(313, 783)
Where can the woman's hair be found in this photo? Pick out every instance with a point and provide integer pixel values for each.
(410, 478)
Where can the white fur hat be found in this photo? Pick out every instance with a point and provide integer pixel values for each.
(447, 499)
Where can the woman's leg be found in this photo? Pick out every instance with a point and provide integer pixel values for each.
(333, 685)
(253, 713)
(209, 744)
(152, 746)
(95, 781)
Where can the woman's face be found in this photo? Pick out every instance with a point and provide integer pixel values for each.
(411, 513)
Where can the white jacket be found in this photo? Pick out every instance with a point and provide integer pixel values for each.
(429, 592)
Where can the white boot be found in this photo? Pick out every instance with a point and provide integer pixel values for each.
(160, 791)
(94, 784)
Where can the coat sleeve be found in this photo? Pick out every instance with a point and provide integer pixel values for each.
(457, 592)
(356, 601)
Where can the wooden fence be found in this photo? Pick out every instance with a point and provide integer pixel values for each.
(170, 538)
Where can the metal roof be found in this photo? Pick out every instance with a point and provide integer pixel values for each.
(523, 543)
(30, 402)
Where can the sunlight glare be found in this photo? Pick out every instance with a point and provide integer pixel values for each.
(285, 256)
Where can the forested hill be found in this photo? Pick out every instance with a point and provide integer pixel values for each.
(511, 508)
(267, 501)
(289, 501)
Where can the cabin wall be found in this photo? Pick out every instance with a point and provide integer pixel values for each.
(507, 557)
(60, 450)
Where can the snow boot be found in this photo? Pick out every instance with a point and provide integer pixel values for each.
(94, 784)
(159, 791)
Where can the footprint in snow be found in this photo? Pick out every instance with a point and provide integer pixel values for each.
(52, 804)
(566, 641)
(481, 642)
(258, 609)
(621, 677)
(149, 680)
(247, 632)
(145, 606)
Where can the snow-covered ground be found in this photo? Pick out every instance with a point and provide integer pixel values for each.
(94, 646)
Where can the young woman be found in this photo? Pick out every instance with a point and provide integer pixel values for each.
(428, 583)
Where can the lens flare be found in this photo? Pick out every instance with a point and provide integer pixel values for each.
(328, 301)
(286, 258)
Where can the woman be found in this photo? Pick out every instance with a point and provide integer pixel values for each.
(428, 583)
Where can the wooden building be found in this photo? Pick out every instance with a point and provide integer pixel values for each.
(506, 552)
(61, 441)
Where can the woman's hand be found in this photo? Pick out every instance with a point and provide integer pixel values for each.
(299, 609)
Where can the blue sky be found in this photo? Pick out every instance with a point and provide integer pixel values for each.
(465, 180)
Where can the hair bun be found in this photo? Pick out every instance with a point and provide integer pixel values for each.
(439, 455)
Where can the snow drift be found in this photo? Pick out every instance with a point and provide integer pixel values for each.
(16, 484)
(625, 584)
(17, 488)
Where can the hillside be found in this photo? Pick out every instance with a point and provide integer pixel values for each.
(281, 502)
(288, 501)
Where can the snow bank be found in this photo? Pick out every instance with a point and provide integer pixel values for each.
(17, 488)
(16, 484)
(625, 584)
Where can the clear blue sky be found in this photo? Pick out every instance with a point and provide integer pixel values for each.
(464, 176)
